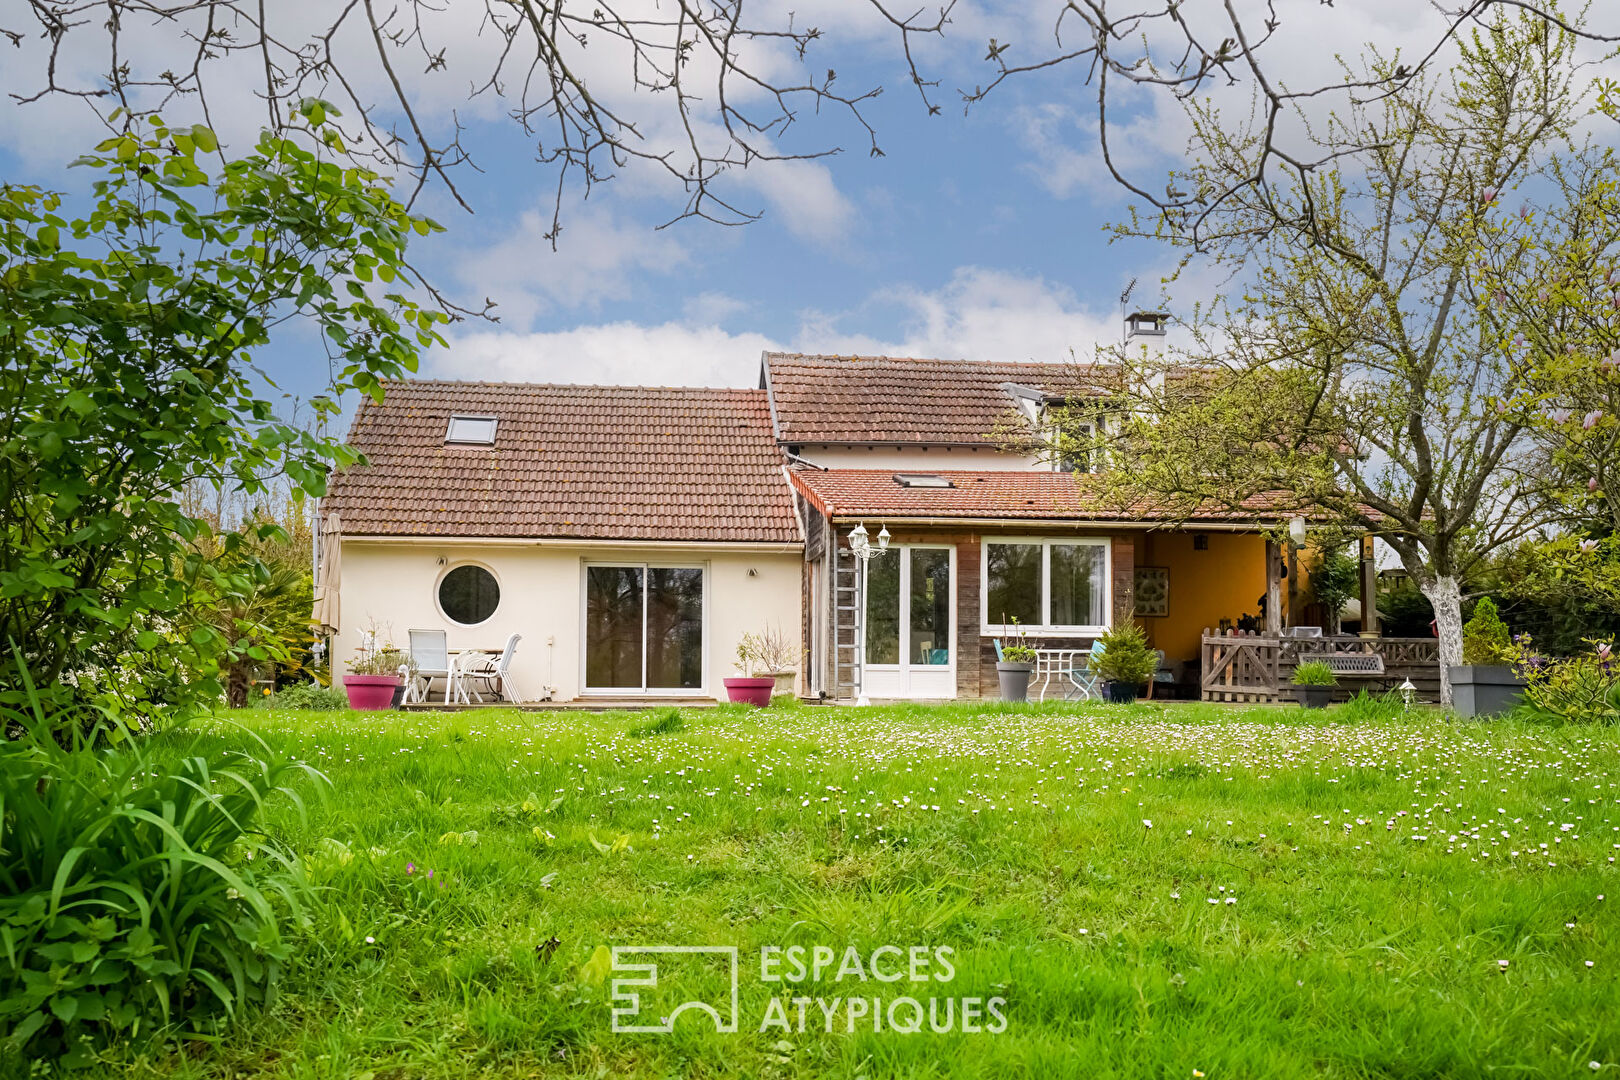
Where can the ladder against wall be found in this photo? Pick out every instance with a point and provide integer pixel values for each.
(846, 592)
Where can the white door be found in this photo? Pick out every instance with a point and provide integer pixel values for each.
(910, 631)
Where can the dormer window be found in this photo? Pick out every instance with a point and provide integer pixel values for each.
(471, 431)
(1073, 445)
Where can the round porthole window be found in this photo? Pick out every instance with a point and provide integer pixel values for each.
(469, 594)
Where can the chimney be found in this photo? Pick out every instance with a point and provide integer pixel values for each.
(1145, 334)
(1150, 326)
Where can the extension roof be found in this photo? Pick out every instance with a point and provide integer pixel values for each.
(673, 464)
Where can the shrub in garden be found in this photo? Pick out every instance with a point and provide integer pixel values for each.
(127, 374)
(1126, 657)
(132, 897)
(1582, 689)
(1485, 638)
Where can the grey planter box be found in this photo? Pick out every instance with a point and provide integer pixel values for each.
(1484, 690)
(1014, 676)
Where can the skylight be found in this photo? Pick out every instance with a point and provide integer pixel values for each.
(473, 430)
(922, 480)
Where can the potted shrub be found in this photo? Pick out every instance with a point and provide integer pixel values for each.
(1314, 682)
(374, 681)
(777, 658)
(1125, 664)
(1013, 670)
(1485, 684)
(750, 686)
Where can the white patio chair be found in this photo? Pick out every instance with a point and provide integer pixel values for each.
(431, 651)
(486, 674)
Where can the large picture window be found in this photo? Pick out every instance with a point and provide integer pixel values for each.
(1046, 586)
(643, 627)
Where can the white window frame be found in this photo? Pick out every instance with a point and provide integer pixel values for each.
(1090, 427)
(494, 423)
(1045, 543)
(1093, 427)
(643, 690)
(904, 601)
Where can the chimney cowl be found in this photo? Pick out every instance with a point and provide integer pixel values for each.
(1146, 324)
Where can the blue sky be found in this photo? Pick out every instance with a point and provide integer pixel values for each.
(977, 236)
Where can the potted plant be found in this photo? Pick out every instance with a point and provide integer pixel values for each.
(1015, 663)
(1125, 662)
(777, 658)
(1485, 684)
(751, 686)
(375, 681)
(1314, 682)
(1013, 670)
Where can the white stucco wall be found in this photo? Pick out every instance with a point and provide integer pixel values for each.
(921, 459)
(393, 586)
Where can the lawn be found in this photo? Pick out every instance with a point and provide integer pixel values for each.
(1155, 891)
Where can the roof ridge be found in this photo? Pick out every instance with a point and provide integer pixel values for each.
(859, 357)
(500, 384)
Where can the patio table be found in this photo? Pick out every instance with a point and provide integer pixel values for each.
(1061, 663)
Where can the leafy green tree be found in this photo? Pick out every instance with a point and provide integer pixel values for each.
(127, 340)
(1561, 591)
(1335, 579)
(1361, 375)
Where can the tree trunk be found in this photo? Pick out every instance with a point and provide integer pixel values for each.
(238, 677)
(1446, 596)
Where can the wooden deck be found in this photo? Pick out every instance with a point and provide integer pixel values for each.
(1254, 668)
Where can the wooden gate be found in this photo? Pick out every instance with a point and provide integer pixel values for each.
(1241, 667)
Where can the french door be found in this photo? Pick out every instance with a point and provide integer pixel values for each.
(910, 635)
(643, 628)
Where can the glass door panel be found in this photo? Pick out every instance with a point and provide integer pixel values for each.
(929, 631)
(674, 628)
(614, 609)
(908, 643)
(883, 608)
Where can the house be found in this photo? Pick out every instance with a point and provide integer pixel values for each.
(988, 539)
(632, 535)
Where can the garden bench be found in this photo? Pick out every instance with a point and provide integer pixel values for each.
(1355, 665)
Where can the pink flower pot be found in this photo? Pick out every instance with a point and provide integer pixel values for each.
(750, 691)
(371, 693)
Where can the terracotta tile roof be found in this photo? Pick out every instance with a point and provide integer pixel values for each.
(586, 462)
(1032, 496)
(887, 399)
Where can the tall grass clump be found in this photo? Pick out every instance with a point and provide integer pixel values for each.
(134, 898)
(667, 724)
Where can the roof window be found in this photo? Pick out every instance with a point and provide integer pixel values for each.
(922, 480)
(471, 430)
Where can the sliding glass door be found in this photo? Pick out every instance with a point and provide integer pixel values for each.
(643, 627)
(910, 644)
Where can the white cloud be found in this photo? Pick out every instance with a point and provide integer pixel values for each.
(979, 314)
(669, 354)
(597, 252)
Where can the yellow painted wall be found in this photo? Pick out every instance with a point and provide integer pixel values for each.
(1205, 586)
(393, 585)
